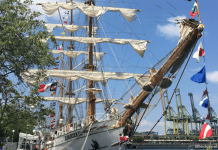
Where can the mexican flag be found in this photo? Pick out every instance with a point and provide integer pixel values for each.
(194, 10)
(44, 87)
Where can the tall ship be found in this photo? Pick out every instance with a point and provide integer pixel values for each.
(101, 86)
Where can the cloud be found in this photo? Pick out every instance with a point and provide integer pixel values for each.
(212, 76)
(170, 30)
(176, 19)
(147, 125)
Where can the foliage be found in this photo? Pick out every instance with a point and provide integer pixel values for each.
(137, 139)
(21, 49)
(2, 144)
(209, 147)
(20, 45)
(194, 138)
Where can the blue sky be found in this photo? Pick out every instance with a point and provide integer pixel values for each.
(157, 25)
(186, 85)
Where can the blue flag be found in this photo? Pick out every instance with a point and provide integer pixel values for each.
(200, 76)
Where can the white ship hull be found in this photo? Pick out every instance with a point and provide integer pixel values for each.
(105, 137)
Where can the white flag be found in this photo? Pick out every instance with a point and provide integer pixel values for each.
(199, 53)
(65, 17)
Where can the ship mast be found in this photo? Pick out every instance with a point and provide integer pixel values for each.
(91, 95)
(157, 77)
(70, 82)
(61, 104)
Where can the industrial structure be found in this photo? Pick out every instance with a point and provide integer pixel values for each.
(183, 122)
(197, 119)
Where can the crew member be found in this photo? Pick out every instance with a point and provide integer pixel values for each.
(121, 138)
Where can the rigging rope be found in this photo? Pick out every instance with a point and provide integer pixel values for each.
(125, 25)
(62, 56)
(76, 137)
(175, 8)
(154, 16)
(86, 137)
(144, 113)
(148, 61)
(154, 21)
(162, 8)
(171, 96)
(141, 25)
(115, 56)
(106, 83)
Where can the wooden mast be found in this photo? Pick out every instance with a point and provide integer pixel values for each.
(70, 82)
(91, 95)
(198, 12)
(61, 104)
(155, 79)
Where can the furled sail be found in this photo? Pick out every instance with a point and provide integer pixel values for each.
(138, 45)
(92, 11)
(184, 31)
(72, 75)
(69, 28)
(75, 101)
(73, 54)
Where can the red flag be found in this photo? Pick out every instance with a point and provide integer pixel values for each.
(206, 130)
(52, 115)
(60, 47)
(65, 22)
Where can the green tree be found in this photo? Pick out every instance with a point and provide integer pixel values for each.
(21, 48)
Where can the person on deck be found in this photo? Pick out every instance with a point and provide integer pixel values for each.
(130, 127)
(127, 138)
(28, 146)
(121, 138)
(125, 130)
